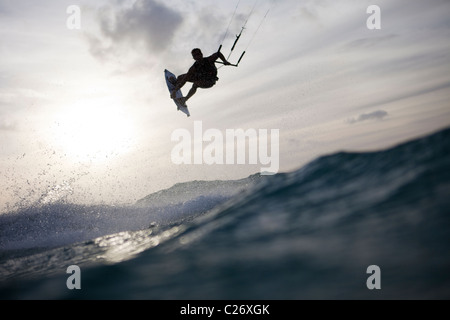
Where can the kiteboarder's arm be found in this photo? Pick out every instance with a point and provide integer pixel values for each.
(218, 55)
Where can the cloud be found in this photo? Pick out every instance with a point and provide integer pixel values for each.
(368, 43)
(376, 115)
(7, 124)
(147, 26)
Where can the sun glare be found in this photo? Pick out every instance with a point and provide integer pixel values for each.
(93, 130)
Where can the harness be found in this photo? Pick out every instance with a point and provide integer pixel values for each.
(205, 73)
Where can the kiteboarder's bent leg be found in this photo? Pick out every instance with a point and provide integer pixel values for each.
(173, 80)
(192, 91)
(180, 82)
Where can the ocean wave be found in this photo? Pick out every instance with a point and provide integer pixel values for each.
(310, 233)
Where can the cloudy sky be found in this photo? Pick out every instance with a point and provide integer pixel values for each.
(85, 113)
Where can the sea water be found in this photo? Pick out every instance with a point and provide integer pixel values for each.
(314, 233)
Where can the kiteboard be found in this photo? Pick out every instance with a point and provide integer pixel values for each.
(179, 100)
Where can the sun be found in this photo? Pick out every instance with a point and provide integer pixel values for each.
(93, 130)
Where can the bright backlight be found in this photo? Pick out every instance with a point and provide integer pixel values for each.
(94, 130)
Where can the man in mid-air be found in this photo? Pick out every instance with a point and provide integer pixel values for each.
(203, 73)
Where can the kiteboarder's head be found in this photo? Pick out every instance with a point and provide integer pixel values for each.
(197, 54)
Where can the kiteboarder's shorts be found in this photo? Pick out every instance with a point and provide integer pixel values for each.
(205, 84)
(198, 81)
